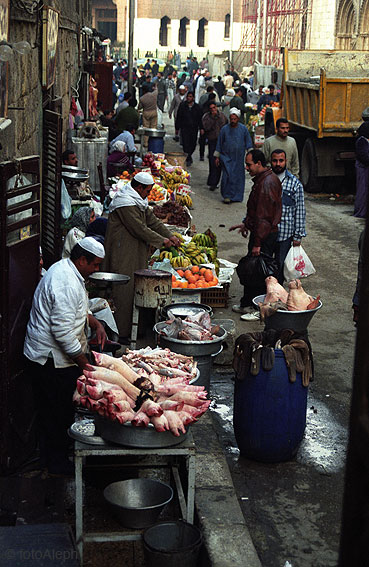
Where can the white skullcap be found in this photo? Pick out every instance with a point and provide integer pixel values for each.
(181, 87)
(91, 245)
(230, 92)
(144, 178)
(235, 111)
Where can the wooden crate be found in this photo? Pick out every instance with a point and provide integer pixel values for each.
(217, 297)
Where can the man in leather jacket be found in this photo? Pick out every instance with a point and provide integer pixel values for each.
(264, 209)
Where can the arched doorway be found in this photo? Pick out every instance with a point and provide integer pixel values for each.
(202, 32)
(184, 25)
(164, 32)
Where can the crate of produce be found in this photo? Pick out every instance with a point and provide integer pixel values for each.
(216, 297)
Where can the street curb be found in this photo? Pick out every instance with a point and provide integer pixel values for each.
(226, 536)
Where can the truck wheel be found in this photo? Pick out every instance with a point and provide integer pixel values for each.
(309, 177)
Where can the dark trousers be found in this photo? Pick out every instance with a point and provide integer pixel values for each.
(281, 251)
(202, 144)
(53, 390)
(267, 247)
(214, 171)
(189, 139)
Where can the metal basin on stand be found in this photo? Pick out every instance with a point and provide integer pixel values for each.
(295, 320)
(203, 352)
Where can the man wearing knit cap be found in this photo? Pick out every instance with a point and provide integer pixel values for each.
(132, 230)
(56, 346)
(233, 141)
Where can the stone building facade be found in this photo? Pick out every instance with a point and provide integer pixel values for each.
(26, 98)
(198, 25)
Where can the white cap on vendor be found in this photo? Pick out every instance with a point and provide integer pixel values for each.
(93, 246)
(144, 178)
(235, 111)
(182, 87)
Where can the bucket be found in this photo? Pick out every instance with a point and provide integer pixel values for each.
(156, 145)
(225, 357)
(172, 544)
(205, 365)
(176, 158)
(269, 415)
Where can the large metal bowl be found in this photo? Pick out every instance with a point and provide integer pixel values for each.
(190, 348)
(104, 279)
(295, 320)
(138, 437)
(183, 310)
(137, 502)
(151, 132)
(74, 169)
(75, 176)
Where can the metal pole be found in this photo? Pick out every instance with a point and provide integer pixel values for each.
(257, 39)
(130, 43)
(231, 34)
(263, 42)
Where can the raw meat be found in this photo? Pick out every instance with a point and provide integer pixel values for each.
(160, 422)
(274, 291)
(175, 422)
(298, 299)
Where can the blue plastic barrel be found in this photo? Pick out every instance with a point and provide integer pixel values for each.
(156, 145)
(269, 416)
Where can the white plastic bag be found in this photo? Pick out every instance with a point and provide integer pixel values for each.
(297, 264)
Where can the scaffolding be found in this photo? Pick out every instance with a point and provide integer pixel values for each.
(268, 25)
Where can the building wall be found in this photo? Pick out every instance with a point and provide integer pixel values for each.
(146, 36)
(323, 21)
(25, 97)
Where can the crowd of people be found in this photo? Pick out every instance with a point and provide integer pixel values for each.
(199, 103)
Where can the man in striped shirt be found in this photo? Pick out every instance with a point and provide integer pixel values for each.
(292, 226)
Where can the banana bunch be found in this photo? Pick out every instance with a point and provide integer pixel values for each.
(185, 200)
(180, 262)
(202, 240)
(210, 252)
(213, 238)
(165, 254)
(179, 236)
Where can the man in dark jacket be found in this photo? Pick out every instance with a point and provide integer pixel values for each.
(212, 122)
(188, 122)
(264, 210)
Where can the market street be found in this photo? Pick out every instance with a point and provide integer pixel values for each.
(293, 509)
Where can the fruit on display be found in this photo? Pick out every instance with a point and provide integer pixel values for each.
(149, 161)
(125, 175)
(194, 278)
(173, 177)
(172, 213)
(193, 253)
(157, 193)
(184, 200)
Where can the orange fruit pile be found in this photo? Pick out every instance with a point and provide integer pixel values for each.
(196, 278)
(155, 195)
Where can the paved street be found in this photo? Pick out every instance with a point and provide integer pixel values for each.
(293, 509)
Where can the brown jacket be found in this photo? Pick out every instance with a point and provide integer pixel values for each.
(264, 206)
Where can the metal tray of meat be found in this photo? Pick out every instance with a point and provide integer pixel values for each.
(138, 437)
(184, 310)
(84, 431)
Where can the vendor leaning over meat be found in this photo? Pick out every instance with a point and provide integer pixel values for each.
(132, 229)
(56, 344)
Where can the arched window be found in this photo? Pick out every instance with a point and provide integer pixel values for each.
(363, 42)
(345, 25)
(202, 32)
(227, 26)
(182, 34)
(163, 32)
